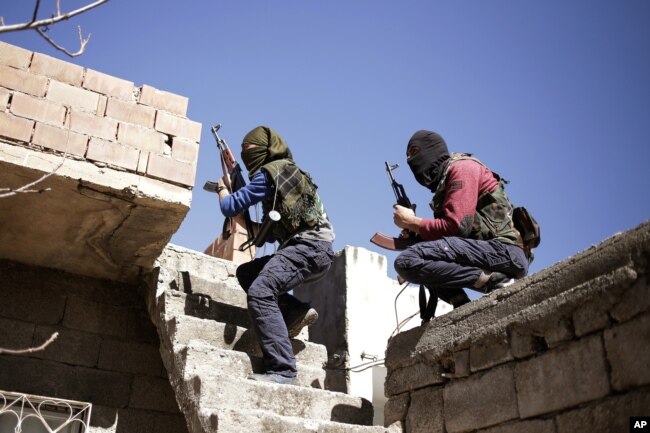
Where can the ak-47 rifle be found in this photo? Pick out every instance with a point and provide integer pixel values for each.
(231, 168)
(407, 237)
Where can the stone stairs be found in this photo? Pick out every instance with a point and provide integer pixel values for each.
(208, 351)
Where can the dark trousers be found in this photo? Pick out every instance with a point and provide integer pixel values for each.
(266, 281)
(453, 263)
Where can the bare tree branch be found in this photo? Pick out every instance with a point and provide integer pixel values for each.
(31, 349)
(41, 26)
(33, 24)
(82, 43)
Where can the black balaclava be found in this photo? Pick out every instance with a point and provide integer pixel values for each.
(428, 152)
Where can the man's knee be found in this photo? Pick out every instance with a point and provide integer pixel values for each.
(405, 263)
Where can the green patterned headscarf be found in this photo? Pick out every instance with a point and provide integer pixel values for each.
(269, 146)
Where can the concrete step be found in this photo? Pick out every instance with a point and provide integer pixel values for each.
(259, 421)
(198, 357)
(215, 390)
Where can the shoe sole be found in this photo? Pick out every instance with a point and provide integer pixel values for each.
(308, 319)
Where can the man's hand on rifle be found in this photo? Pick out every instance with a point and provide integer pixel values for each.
(405, 218)
(222, 188)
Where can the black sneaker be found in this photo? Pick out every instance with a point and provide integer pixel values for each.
(497, 280)
(273, 378)
(299, 317)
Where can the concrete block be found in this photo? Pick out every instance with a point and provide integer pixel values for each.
(113, 153)
(167, 168)
(532, 426)
(412, 377)
(16, 334)
(37, 109)
(628, 353)
(31, 305)
(489, 351)
(55, 379)
(15, 128)
(588, 319)
(634, 301)
(291, 401)
(605, 416)
(140, 328)
(109, 85)
(57, 69)
(130, 357)
(562, 378)
(14, 56)
(561, 332)
(101, 127)
(425, 412)
(142, 138)
(71, 346)
(23, 81)
(70, 96)
(153, 393)
(523, 344)
(131, 420)
(60, 139)
(5, 95)
(162, 100)
(130, 112)
(396, 408)
(185, 150)
(178, 126)
(94, 317)
(143, 162)
(491, 396)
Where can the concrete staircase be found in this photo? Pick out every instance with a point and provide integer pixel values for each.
(208, 350)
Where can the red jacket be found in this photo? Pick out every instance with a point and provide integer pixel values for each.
(465, 182)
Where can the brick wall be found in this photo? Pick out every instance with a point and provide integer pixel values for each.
(562, 351)
(62, 107)
(106, 353)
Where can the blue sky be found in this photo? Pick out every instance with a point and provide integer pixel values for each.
(553, 95)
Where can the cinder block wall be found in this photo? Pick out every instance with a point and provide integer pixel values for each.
(563, 351)
(62, 107)
(106, 353)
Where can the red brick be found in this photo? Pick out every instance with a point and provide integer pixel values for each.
(131, 112)
(185, 150)
(23, 81)
(17, 57)
(15, 128)
(60, 139)
(70, 96)
(142, 138)
(163, 100)
(40, 110)
(178, 126)
(169, 169)
(57, 69)
(109, 85)
(102, 127)
(112, 153)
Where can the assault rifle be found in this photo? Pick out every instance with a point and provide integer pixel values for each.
(234, 181)
(407, 237)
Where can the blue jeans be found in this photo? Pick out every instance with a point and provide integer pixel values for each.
(453, 263)
(266, 281)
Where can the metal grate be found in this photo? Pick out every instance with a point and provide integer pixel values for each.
(24, 413)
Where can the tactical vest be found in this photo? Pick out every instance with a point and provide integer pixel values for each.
(294, 197)
(493, 216)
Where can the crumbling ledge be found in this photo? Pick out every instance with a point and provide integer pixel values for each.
(563, 350)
